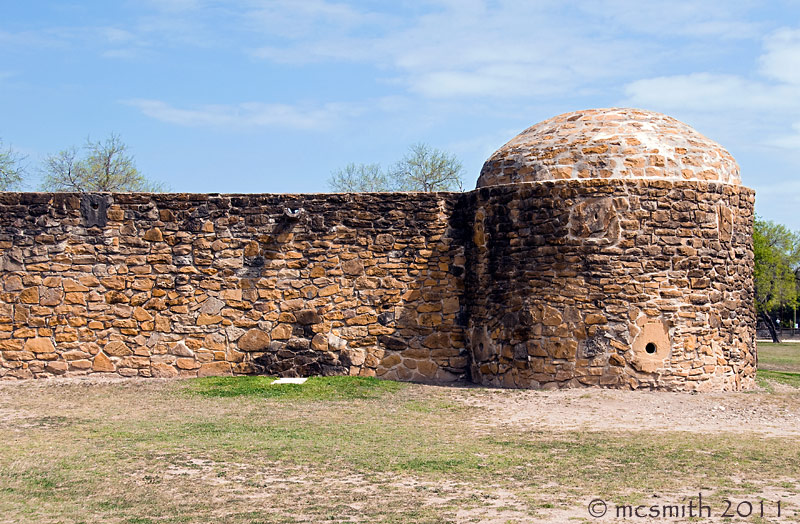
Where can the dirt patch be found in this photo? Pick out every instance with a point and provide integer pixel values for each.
(618, 410)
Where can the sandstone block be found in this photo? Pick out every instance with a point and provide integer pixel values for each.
(429, 319)
(427, 368)
(29, 295)
(233, 295)
(187, 363)
(616, 360)
(162, 370)
(153, 235)
(117, 349)
(352, 267)
(80, 365)
(134, 362)
(214, 369)
(595, 318)
(52, 282)
(103, 364)
(18, 355)
(330, 290)
(205, 319)
(13, 283)
(551, 316)
(281, 332)
(354, 357)
(75, 298)
(39, 345)
(71, 286)
(319, 342)
(307, 316)
(214, 341)
(437, 340)
(390, 361)
(57, 367)
(74, 355)
(212, 306)
(115, 282)
(254, 340)
(141, 315)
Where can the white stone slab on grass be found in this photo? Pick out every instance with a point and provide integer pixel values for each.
(289, 380)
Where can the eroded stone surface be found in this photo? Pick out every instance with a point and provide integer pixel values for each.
(609, 143)
(549, 309)
(598, 233)
(188, 285)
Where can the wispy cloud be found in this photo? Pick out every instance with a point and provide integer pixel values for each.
(499, 49)
(709, 92)
(251, 114)
(767, 102)
(782, 58)
(444, 48)
(718, 19)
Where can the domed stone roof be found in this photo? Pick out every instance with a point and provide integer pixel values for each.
(609, 143)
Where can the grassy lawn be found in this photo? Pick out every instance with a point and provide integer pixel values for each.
(348, 449)
(778, 363)
(239, 450)
(779, 357)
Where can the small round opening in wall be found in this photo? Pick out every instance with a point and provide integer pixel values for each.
(650, 348)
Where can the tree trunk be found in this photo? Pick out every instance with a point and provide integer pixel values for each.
(771, 326)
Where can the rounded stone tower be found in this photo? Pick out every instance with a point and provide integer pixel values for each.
(612, 247)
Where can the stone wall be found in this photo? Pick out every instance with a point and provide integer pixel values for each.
(616, 283)
(192, 285)
(641, 284)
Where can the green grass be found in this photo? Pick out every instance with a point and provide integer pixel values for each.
(778, 363)
(315, 388)
(348, 449)
(779, 357)
(340, 449)
(783, 377)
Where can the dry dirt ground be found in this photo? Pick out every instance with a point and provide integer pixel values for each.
(617, 410)
(488, 414)
(744, 413)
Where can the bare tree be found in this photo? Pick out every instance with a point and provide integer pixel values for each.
(422, 169)
(359, 178)
(427, 169)
(11, 169)
(105, 166)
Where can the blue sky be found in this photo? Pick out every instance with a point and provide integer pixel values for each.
(273, 95)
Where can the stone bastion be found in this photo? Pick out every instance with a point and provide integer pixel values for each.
(608, 247)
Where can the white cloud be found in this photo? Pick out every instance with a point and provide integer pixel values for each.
(782, 59)
(446, 48)
(708, 92)
(789, 141)
(115, 35)
(175, 6)
(298, 19)
(503, 48)
(718, 19)
(760, 110)
(250, 114)
(467, 49)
